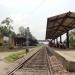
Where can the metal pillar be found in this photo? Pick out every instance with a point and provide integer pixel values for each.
(67, 40)
(60, 39)
(54, 41)
(51, 41)
(57, 41)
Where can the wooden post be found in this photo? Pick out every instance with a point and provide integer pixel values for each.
(67, 40)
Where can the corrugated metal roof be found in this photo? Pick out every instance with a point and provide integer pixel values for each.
(60, 24)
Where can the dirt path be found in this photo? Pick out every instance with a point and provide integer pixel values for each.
(3, 68)
(3, 64)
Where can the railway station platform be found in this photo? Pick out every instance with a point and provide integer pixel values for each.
(66, 56)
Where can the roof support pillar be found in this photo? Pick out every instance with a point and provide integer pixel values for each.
(67, 40)
(57, 42)
(60, 39)
(54, 41)
(51, 41)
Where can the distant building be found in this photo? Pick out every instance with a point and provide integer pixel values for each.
(20, 40)
(43, 42)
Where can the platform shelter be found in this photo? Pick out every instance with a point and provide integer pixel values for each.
(59, 25)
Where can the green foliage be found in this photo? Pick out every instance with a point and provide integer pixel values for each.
(1, 44)
(15, 56)
(72, 38)
(11, 47)
(27, 50)
(30, 39)
(22, 30)
(7, 28)
(7, 21)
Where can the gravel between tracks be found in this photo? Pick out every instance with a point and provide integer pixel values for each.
(42, 63)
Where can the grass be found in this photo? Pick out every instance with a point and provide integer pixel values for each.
(14, 56)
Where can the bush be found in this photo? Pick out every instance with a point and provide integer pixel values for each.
(11, 47)
(27, 50)
(15, 56)
(1, 44)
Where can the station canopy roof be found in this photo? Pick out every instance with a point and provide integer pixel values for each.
(60, 24)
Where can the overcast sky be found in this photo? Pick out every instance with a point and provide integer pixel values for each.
(34, 13)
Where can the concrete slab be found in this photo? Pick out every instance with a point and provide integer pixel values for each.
(69, 55)
(66, 56)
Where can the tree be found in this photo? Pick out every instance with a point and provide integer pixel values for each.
(1, 36)
(31, 39)
(27, 32)
(8, 22)
(72, 38)
(7, 29)
(3, 31)
(22, 30)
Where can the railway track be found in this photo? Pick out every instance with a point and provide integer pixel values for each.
(41, 63)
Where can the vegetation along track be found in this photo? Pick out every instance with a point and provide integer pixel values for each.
(42, 63)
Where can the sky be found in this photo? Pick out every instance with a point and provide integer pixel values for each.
(34, 13)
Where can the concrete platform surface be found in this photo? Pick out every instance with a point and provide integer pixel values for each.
(66, 56)
(69, 55)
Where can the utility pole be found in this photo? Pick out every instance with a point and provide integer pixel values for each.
(27, 40)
